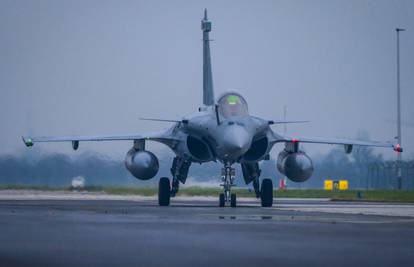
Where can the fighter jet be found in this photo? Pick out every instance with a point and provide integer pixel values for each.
(221, 131)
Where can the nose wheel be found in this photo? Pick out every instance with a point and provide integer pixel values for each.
(227, 177)
(222, 200)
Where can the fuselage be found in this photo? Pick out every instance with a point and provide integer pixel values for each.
(224, 132)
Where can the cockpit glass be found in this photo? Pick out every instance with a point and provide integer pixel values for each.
(231, 105)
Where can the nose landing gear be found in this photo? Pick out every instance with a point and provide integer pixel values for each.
(227, 176)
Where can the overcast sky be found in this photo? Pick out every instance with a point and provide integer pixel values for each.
(95, 67)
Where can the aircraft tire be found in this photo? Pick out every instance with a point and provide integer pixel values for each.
(266, 193)
(233, 200)
(164, 191)
(221, 200)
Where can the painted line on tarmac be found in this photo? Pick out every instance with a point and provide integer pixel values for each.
(383, 210)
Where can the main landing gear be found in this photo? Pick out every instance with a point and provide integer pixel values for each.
(265, 192)
(164, 191)
(179, 173)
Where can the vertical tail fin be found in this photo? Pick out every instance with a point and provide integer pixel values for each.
(208, 93)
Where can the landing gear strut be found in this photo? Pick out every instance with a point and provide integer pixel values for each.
(175, 186)
(256, 187)
(227, 177)
(179, 172)
(251, 173)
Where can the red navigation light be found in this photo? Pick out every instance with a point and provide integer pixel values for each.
(398, 148)
(294, 140)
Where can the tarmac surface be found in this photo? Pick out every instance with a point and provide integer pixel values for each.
(195, 232)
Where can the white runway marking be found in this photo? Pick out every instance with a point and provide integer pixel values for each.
(355, 208)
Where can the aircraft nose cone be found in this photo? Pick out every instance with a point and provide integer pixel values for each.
(235, 142)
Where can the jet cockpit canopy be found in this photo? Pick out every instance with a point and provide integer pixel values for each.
(232, 104)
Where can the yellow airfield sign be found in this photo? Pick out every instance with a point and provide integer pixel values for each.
(328, 184)
(343, 184)
(336, 185)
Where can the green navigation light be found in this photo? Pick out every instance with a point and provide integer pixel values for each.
(29, 142)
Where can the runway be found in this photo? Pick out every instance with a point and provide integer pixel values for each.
(195, 232)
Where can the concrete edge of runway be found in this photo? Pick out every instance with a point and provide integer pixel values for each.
(82, 195)
(324, 205)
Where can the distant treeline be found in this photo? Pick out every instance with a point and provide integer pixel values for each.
(362, 168)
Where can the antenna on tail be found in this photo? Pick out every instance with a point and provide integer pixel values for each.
(208, 93)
